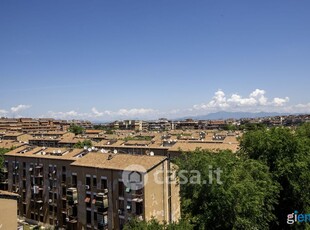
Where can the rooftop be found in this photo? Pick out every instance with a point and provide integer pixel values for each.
(118, 161)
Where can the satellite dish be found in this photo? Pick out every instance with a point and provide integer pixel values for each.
(85, 147)
(89, 149)
(114, 151)
(152, 153)
(102, 150)
(93, 148)
(59, 151)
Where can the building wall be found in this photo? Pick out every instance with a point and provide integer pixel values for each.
(8, 216)
(55, 177)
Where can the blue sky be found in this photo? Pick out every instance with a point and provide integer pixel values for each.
(105, 60)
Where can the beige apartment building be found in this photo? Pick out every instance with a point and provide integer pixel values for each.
(8, 210)
(86, 189)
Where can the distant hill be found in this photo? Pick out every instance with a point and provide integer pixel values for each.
(236, 115)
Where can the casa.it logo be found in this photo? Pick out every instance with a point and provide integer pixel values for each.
(298, 218)
(134, 177)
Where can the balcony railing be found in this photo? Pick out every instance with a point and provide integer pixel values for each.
(137, 197)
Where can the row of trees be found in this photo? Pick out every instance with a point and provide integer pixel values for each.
(265, 181)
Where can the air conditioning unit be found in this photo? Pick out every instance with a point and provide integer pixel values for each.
(36, 189)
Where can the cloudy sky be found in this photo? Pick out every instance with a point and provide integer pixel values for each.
(105, 60)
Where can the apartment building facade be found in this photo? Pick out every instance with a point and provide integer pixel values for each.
(82, 189)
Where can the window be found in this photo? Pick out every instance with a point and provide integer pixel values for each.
(121, 188)
(74, 180)
(104, 183)
(94, 199)
(50, 208)
(88, 201)
(121, 207)
(63, 178)
(139, 208)
(88, 217)
(95, 216)
(64, 191)
(50, 169)
(87, 180)
(24, 210)
(94, 181)
(129, 206)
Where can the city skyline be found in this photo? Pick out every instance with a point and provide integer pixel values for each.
(147, 59)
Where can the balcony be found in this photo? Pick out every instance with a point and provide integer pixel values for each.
(39, 175)
(4, 170)
(137, 197)
(72, 196)
(102, 225)
(39, 200)
(102, 200)
(5, 181)
(102, 221)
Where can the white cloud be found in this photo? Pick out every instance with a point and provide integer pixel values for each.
(302, 108)
(64, 115)
(134, 112)
(96, 112)
(255, 100)
(3, 112)
(19, 108)
(259, 96)
(280, 101)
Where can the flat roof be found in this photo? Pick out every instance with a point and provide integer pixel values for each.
(48, 153)
(6, 144)
(8, 195)
(189, 146)
(118, 161)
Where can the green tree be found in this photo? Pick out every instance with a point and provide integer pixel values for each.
(82, 144)
(76, 129)
(2, 152)
(287, 154)
(153, 224)
(243, 198)
(110, 131)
